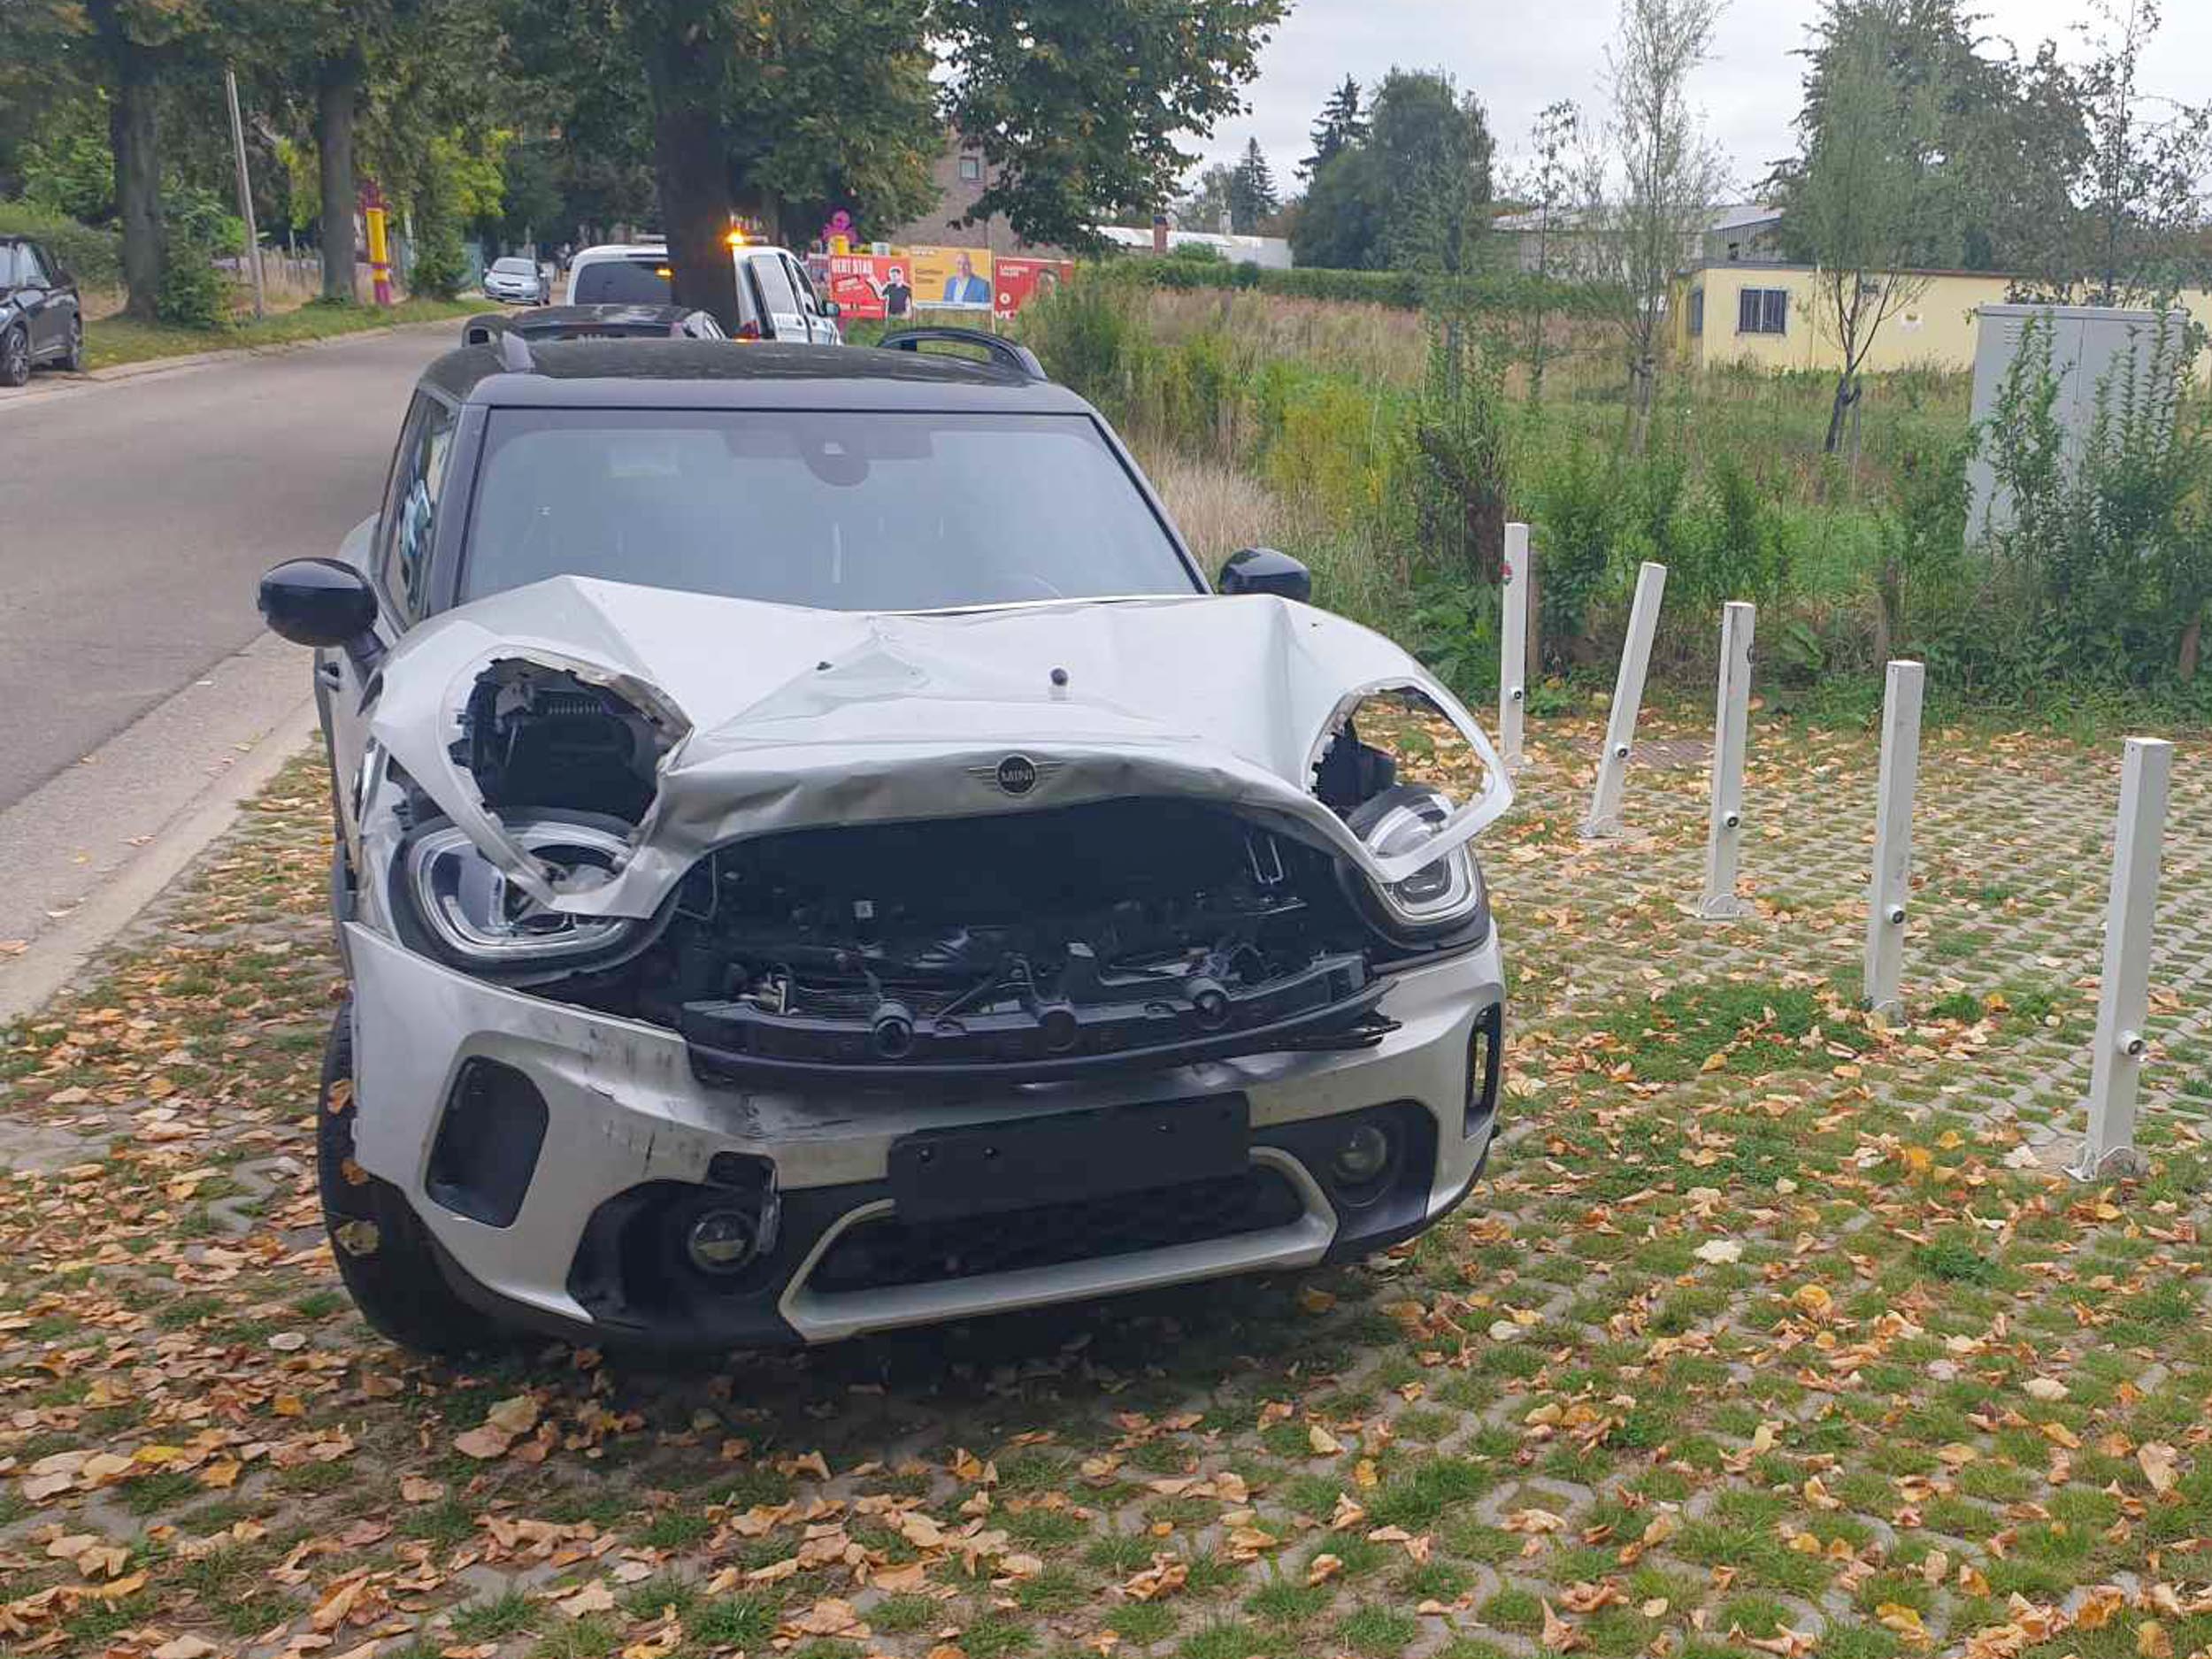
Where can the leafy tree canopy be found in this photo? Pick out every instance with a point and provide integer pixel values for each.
(1078, 104)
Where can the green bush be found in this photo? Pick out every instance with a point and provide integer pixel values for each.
(1087, 335)
(1199, 393)
(94, 257)
(441, 265)
(1574, 536)
(1750, 540)
(193, 293)
(201, 218)
(1452, 456)
(1921, 578)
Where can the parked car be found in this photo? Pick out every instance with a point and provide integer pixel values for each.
(816, 855)
(518, 282)
(41, 317)
(776, 298)
(593, 322)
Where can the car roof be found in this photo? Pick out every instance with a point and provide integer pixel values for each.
(610, 312)
(650, 373)
(659, 250)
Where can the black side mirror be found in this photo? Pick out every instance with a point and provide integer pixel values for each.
(1262, 570)
(323, 604)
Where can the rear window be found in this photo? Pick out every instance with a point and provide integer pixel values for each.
(642, 280)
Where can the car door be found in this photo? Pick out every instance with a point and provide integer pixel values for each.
(62, 305)
(393, 550)
(780, 300)
(821, 327)
(32, 295)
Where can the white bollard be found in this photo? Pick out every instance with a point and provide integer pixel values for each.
(1732, 717)
(1628, 697)
(2123, 989)
(1513, 645)
(1892, 885)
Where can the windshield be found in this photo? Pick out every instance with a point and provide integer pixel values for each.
(639, 280)
(839, 510)
(513, 267)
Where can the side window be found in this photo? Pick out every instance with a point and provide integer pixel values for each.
(34, 270)
(801, 287)
(775, 287)
(418, 483)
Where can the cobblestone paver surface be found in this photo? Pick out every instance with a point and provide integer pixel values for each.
(1768, 1332)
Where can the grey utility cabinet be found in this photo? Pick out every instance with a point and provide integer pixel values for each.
(2087, 343)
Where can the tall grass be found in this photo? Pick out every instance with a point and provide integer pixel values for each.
(1329, 429)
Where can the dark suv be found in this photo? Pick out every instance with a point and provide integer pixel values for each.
(42, 319)
(817, 856)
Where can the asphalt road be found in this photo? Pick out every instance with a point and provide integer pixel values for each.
(135, 515)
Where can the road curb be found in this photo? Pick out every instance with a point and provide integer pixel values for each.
(117, 373)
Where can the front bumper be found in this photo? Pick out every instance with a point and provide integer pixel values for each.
(631, 1137)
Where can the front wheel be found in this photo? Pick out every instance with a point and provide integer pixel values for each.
(15, 357)
(383, 1250)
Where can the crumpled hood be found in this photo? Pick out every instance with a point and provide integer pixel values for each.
(779, 717)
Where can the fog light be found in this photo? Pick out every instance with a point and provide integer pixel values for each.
(1362, 1157)
(722, 1240)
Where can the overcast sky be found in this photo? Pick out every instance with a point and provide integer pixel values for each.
(1519, 55)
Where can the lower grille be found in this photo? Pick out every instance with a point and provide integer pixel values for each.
(886, 1253)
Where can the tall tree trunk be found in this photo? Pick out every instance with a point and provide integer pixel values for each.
(1838, 409)
(134, 132)
(691, 167)
(337, 96)
(2192, 641)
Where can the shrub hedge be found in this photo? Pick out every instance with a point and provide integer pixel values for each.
(94, 257)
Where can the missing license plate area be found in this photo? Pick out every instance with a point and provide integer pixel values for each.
(942, 1173)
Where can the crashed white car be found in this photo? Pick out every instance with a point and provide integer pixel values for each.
(816, 857)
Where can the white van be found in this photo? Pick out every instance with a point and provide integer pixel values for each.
(775, 299)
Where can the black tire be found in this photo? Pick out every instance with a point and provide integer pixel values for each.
(73, 360)
(383, 1250)
(15, 357)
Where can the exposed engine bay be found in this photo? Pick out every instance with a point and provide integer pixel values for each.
(1026, 946)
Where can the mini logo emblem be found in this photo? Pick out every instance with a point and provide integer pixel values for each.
(1016, 774)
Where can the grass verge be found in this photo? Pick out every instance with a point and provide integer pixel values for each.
(112, 341)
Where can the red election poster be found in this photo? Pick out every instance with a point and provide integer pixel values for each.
(872, 285)
(1016, 281)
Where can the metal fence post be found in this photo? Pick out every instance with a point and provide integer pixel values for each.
(1892, 884)
(1513, 644)
(1628, 697)
(2123, 988)
(1731, 717)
